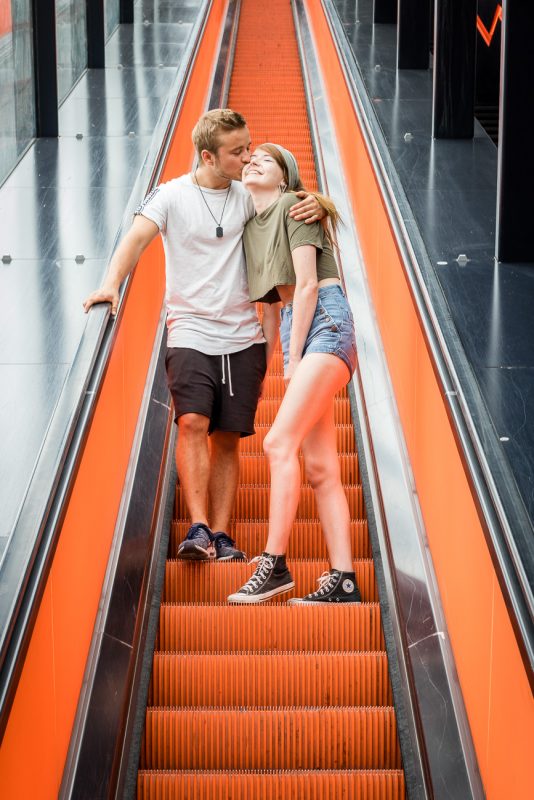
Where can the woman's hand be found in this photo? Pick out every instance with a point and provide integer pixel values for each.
(290, 369)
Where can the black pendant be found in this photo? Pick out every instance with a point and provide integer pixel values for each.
(219, 232)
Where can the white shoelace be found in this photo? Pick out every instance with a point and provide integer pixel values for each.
(229, 373)
(265, 563)
(326, 582)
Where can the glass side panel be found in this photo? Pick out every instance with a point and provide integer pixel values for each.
(71, 35)
(17, 104)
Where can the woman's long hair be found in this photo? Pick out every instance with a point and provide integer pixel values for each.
(333, 218)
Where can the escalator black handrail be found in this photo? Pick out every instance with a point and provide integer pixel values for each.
(80, 396)
(513, 580)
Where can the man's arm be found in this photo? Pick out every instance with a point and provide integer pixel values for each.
(309, 209)
(124, 259)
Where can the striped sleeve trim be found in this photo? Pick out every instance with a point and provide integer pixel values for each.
(150, 196)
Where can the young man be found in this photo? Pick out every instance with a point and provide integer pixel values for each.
(217, 352)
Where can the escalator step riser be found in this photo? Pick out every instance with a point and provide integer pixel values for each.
(379, 785)
(268, 409)
(252, 679)
(325, 738)
(344, 439)
(306, 540)
(254, 470)
(252, 503)
(208, 582)
(264, 628)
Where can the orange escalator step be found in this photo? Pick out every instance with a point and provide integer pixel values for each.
(306, 540)
(252, 503)
(254, 469)
(294, 785)
(344, 437)
(268, 679)
(209, 582)
(264, 628)
(268, 408)
(280, 738)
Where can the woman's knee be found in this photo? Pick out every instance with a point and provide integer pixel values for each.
(322, 472)
(275, 447)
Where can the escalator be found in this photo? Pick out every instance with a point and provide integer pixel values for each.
(416, 691)
(272, 700)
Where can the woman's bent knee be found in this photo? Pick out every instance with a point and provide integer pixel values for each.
(275, 448)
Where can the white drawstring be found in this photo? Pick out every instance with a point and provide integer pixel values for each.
(229, 374)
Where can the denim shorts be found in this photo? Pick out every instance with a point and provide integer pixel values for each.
(331, 330)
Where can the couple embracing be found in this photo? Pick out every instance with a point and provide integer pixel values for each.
(236, 207)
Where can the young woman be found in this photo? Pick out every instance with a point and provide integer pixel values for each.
(293, 263)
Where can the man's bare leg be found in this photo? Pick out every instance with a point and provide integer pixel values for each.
(193, 464)
(223, 479)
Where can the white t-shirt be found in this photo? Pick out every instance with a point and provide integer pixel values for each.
(208, 306)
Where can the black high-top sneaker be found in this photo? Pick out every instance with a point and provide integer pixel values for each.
(334, 587)
(271, 577)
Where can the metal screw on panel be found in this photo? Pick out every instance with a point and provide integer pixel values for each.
(146, 23)
(504, 438)
(79, 259)
(79, 135)
(131, 134)
(160, 66)
(6, 259)
(408, 136)
(119, 66)
(377, 67)
(462, 259)
(442, 263)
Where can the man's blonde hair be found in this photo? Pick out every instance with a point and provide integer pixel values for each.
(209, 127)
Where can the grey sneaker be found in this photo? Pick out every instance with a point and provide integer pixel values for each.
(334, 587)
(271, 577)
(197, 543)
(224, 548)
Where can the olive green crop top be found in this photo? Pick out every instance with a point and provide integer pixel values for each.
(269, 239)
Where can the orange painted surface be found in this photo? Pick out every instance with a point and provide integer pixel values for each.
(37, 736)
(493, 680)
(6, 23)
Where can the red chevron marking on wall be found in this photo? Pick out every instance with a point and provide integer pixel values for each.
(488, 35)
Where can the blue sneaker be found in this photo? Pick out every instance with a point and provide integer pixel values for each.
(224, 548)
(197, 543)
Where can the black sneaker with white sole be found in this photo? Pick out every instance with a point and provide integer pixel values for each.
(197, 544)
(271, 577)
(334, 587)
(224, 548)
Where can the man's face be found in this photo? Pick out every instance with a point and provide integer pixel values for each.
(232, 154)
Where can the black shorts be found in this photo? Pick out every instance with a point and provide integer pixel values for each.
(224, 388)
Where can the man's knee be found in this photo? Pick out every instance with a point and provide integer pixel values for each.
(193, 425)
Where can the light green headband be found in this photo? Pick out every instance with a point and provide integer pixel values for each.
(293, 177)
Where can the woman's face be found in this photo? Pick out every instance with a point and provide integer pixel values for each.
(262, 171)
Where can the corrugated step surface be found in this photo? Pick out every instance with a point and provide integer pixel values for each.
(271, 702)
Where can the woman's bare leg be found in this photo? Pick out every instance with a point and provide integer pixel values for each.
(323, 471)
(315, 382)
